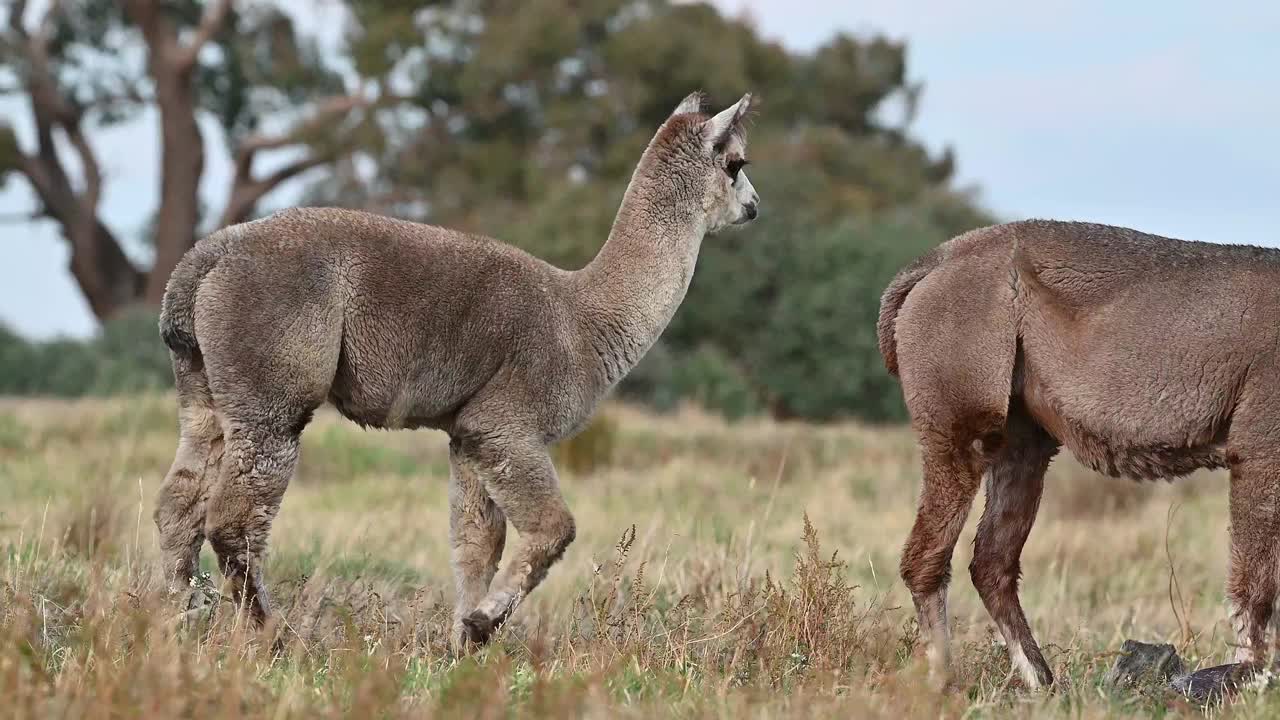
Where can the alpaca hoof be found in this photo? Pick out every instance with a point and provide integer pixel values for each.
(940, 682)
(478, 628)
(197, 611)
(279, 648)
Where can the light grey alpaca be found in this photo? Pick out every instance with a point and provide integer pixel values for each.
(1146, 357)
(403, 325)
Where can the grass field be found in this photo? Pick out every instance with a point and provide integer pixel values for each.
(720, 603)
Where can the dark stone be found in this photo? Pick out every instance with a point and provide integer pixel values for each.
(1213, 684)
(1158, 667)
(1145, 664)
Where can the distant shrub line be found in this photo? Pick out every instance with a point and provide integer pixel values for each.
(125, 357)
(796, 342)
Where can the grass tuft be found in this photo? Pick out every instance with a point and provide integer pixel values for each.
(720, 571)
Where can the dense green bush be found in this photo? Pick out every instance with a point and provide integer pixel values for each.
(788, 324)
(817, 353)
(126, 356)
(705, 376)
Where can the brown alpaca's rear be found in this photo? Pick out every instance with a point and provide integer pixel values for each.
(1146, 357)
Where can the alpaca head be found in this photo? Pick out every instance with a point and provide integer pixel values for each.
(698, 159)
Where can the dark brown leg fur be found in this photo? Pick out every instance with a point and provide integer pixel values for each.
(950, 482)
(1014, 485)
(1255, 554)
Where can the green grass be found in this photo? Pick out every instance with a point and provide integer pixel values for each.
(761, 581)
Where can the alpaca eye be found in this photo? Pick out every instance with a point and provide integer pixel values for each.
(734, 167)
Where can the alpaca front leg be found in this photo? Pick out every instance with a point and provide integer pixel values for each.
(523, 484)
(477, 534)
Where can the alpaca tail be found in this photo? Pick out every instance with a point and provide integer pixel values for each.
(891, 302)
(178, 308)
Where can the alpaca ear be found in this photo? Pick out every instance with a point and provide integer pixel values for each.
(692, 103)
(727, 123)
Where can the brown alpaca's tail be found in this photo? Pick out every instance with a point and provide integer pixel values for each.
(178, 308)
(892, 300)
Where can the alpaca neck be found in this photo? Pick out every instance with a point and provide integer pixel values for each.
(633, 287)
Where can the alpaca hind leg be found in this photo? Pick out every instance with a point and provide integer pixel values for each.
(179, 513)
(257, 466)
(950, 483)
(477, 535)
(271, 342)
(1015, 482)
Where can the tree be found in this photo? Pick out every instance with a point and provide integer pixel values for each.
(523, 119)
(539, 109)
(241, 64)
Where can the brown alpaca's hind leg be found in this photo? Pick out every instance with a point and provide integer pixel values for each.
(477, 535)
(950, 482)
(257, 465)
(1255, 553)
(180, 505)
(522, 482)
(1014, 485)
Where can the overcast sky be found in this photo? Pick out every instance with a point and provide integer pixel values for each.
(1162, 116)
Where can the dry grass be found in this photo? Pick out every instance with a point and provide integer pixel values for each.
(744, 570)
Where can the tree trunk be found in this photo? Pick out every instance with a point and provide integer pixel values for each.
(104, 273)
(108, 280)
(181, 165)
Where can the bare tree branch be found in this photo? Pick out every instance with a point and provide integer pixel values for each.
(327, 110)
(15, 17)
(247, 190)
(89, 165)
(160, 36)
(143, 12)
(215, 15)
(20, 218)
(40, 83)
(104, 273)
(131, 94)
(298, 167)
(246, 193)
(50, 22)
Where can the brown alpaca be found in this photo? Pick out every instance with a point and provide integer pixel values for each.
(1146, 357)
(402, 325)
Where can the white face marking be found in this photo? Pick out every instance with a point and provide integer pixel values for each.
(735, 201)
(744, 194)
(727, 200)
